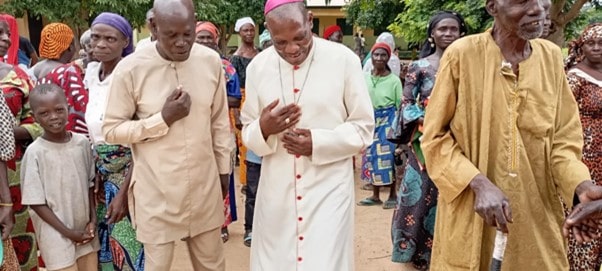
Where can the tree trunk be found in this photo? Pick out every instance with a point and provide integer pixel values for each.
(560, 19)
(224, 39)
(558, 35)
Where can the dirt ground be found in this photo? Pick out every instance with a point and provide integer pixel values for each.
(372, 238)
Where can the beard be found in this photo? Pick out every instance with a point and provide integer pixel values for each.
(529, 34)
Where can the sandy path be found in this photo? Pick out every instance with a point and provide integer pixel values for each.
(372, 239)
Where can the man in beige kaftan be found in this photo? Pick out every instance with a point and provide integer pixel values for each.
(169, 102)
(305, 202)
(521, 132)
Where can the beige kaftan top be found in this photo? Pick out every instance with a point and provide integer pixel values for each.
(304, 207)
(175, 183)
(523, 133)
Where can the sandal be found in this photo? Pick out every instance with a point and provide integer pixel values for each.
(225, 235)
(390, 204)
(369, 202)
(247, 238)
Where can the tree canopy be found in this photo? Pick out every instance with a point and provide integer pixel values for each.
(78, 13)
(224, 14)
(375, 14)
(412, 16)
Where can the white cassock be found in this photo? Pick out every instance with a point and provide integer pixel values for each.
(304, 207)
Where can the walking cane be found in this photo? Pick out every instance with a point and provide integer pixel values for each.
(498, 251)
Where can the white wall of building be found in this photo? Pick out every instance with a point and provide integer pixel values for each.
(322, 3)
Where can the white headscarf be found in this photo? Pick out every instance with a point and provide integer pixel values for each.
(394, 63)
(242, 21)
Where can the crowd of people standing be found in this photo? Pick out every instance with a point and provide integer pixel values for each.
(110, 159)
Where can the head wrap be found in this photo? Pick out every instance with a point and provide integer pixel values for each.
(264, 37)
(242, 21)
(11, 56)
(592, 31)
(394, 64)
(331, 30)
(381, 45)
(121, 24)
(429, 46)
(272, 4)
(55, 39)
(209, 27)
(387, 38)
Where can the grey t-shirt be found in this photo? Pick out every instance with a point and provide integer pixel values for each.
(59, 175)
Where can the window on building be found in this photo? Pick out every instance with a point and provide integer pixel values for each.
(316, 28)
(347, 28)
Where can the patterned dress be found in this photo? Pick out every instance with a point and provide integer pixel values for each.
(588, 93)
(378, 162)
(7, 152)
(119, 249)
(414, 216)
(15, 87)
(240, 65)
(232, 90)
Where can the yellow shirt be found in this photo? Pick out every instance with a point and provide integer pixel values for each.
(523, 133)
(175, 183)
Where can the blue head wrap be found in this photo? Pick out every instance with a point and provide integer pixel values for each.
(118, 22)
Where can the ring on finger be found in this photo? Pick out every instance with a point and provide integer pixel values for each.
(287, 120)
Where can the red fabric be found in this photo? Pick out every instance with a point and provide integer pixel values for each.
(381, 45)
(331, 30)
(13, 50)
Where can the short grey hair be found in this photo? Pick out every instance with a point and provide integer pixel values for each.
(85, 38)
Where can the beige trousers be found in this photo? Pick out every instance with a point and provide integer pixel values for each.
(84, 263)
(206, 252)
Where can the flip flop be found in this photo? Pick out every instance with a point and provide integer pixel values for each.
(248, 238)
(389, 204)
(369, 202)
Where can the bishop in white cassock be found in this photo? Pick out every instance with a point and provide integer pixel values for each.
(307, 112)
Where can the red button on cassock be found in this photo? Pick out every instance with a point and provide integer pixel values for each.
(299, 259)
(299, 197)
(295, 67)
(298, 176)
(296, 90)
(297, 156)
(300, 238)
(300, 219)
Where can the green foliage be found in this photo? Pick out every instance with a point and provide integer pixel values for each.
(78, 13)
(375, 14)
(413, 22)
(588, 15)
(224, 13)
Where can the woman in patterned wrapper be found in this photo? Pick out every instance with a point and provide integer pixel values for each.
(378, 161)
(110, 41)
(7, 152)
(414, 217)
(240, 60)
(15, 85)
(584, 66)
